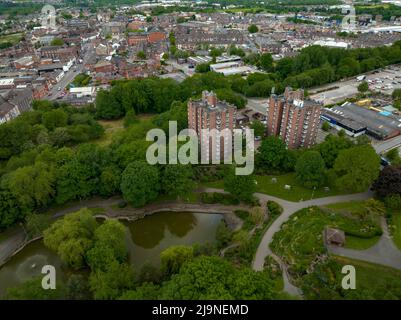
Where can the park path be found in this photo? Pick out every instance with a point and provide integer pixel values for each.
(384, 252)
(289, 208)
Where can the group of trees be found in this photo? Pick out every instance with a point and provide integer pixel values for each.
(47, 124)
(337, 162)
(155, 95)
(317, 65)
(184, 273)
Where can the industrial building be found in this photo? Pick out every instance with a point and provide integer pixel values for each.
(356, 120)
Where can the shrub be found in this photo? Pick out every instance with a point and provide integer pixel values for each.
(216, 197)
(393, 202)
(274, 208)
(122, 204)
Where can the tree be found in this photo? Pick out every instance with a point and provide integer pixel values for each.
(310, 169)
(147, 291)
(176, 180)
(54, 119)
(253, 28)
(325, 126)
(223, 234)
(71, 237)
(33, 290)
(389, 182)
(110, 180)
(260, 89)
(140, 183)
(393, 201)
(216, 52)
(36, 223)
(235, 51)
(240, 187)
(258, 128)
(363, 87)
(77, 288)
(231, 97)
(32, 185)
(57, 42)
(273, 208)
(174, 257)
(202, 68)
(107, 106)
(130, 118)
(141, 55)
(273, 155)
(356, 168)
(266, 61)
(149, 273)
(10, 209)
(214, 278)
(109, 245)
(331, 147)
(394, 156)
(112, 283)
(396, 94)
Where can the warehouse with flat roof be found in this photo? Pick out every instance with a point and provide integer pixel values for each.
(357, 120)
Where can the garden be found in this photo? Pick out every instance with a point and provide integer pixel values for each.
(300, 241)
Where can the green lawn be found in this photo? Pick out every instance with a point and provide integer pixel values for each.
(352, 242)
(373, 282)
(12, 38)
(352, 206)
(111, 127)
(296, 193)
(276, 189)
(395, 228)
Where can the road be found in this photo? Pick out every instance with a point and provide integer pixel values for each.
(70, 74)
(258, 104)
(384, 146)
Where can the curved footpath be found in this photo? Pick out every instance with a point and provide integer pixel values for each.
(289, 208)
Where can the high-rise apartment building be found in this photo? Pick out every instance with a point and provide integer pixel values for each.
(293, 118)
(210, 113)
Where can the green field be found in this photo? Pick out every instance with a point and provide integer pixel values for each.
(111, 127)
(372, 281)
(276, 189)
(11, 38)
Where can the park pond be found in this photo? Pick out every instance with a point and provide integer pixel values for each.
(147, 238)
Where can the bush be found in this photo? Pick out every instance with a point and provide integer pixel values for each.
(122, 204)
(393, 202)
(274, 208)
(325, 126)
(216, 197)
(223, 235)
